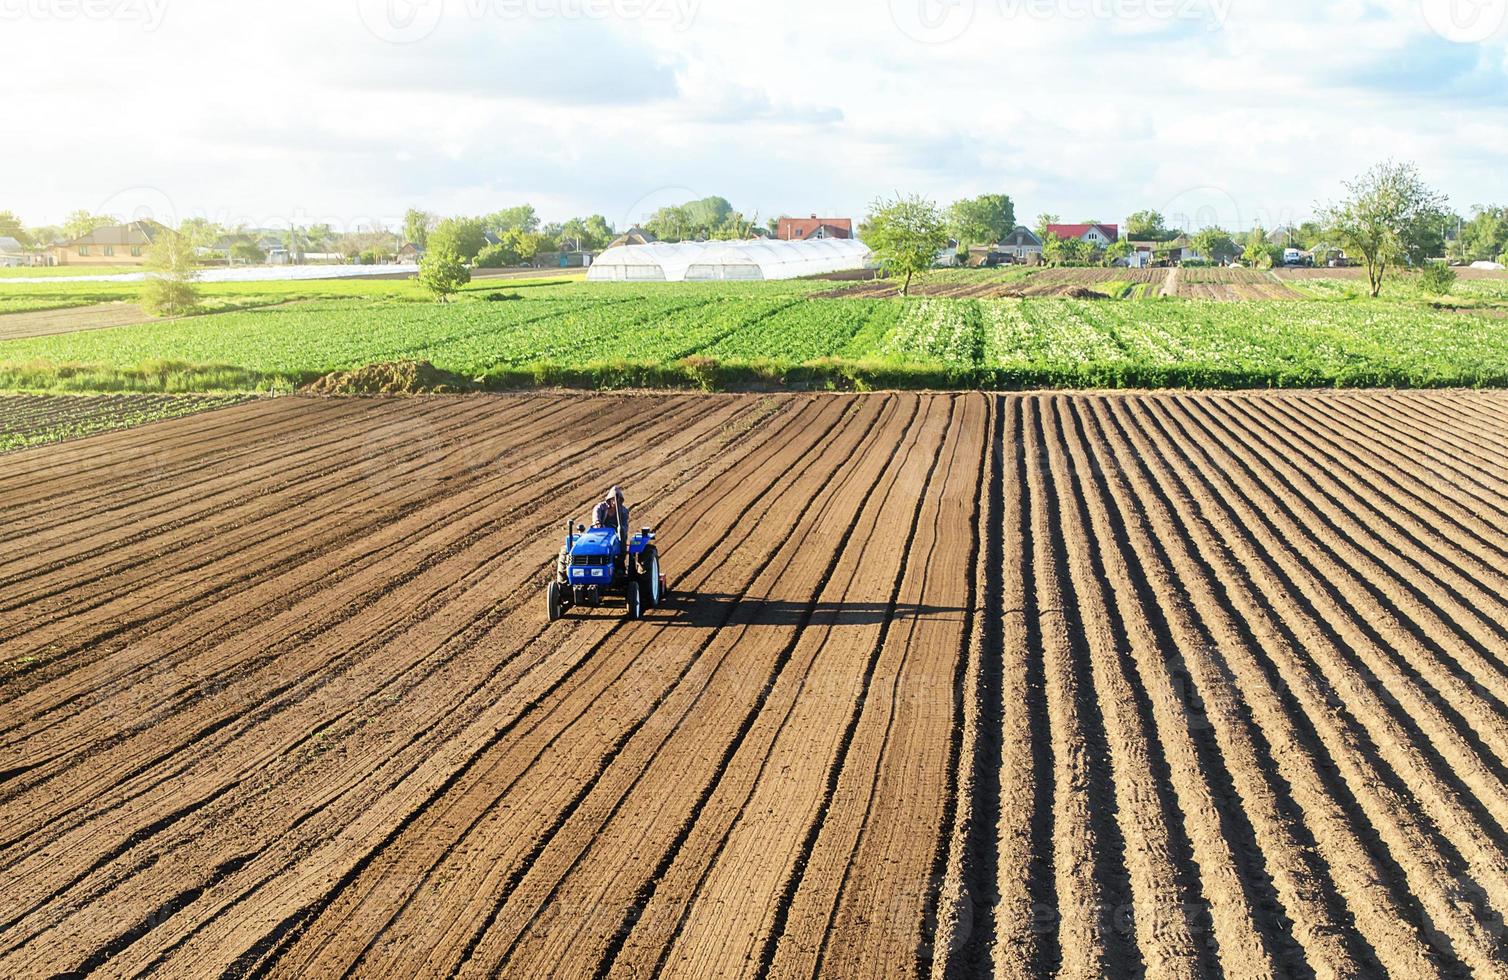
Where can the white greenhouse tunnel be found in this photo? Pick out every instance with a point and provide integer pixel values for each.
(736, 260)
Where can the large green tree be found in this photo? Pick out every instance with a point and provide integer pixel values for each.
(983, 220)
(692, 220)
(1214, 244)
(1388, 217)
(590, 233)
(906, 234)
(520, 217)
(1146, 226)
(464, 236)
(1043, 220)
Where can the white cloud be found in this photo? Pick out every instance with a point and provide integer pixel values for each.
(1080, 107)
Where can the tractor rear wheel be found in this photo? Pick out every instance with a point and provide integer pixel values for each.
(552, 598)
(635, 604)
(650, 581)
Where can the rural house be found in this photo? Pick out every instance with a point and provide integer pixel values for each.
(1098, 235)
(1143, 255)
(109, 245)
(1178, 251)
(410, 253)
(634, 236)
(564, 259)
(1022, 245)
(806, 229)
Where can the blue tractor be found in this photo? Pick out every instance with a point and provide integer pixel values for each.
(606, 561)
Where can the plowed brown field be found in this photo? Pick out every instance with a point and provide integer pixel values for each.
(951, 685)
(43, 323)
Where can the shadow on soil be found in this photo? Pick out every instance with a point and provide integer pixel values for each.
(713, 610)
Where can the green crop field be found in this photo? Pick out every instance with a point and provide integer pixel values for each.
(278, 336)
(35, 420)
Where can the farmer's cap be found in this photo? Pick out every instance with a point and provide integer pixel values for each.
(616, 493)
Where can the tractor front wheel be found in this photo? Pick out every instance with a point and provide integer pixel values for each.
(635, 603)
(552, 599)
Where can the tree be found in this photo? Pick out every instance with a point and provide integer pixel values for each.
(442, 270)
(496, 257)
(671, 223)
(1214, 244)
(464, 236)
(1386, 219)
(528, 244)
(1043, 220)
(1485, 236)
(516, 247)
(1259, 253)
(708, 214)
(521, 217)
(1147, 226)
(417, 225)
(983, 220)
(734, 227)
(201, 232)
(589, 234)
(1066, 251)
(1118, 250)
(319, 237)
(171, 273)
(690, 221)
(11, 227)
(80, 223)
(248, 251)
(906, 234)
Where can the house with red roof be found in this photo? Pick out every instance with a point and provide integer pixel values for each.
(805, 229)
(1098, 235)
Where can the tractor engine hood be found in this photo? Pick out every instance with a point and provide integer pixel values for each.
(598, 542)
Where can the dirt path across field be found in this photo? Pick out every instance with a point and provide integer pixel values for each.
(43, 323)
(951, 685)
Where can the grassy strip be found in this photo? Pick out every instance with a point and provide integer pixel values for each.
(708, 374)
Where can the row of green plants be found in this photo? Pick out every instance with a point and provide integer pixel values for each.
(25, 423)
(618, 336)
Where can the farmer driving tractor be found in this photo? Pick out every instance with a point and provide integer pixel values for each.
(607, 559)
(612, 512)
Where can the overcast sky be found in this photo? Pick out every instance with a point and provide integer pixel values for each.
(350, 111)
